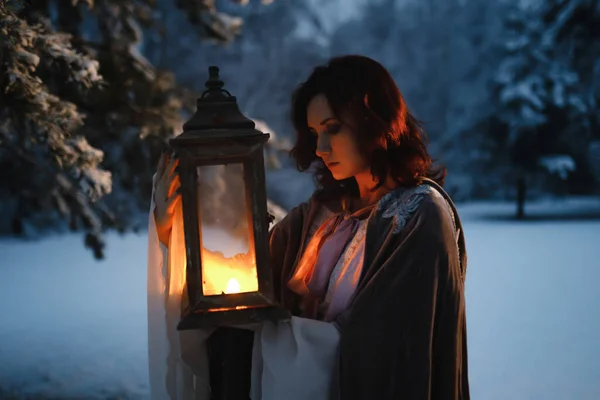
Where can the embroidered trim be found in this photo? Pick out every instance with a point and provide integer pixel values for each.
(403, 206)
(345, 259)
(348, 254)
(357, 240)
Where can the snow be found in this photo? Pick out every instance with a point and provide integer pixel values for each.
(58, 46)
(533, 309)
(76, 328)
(559, 164)
(71, 326)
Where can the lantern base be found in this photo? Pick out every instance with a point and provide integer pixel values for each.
(231, 317)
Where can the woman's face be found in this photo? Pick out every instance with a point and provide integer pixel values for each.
(336, 144)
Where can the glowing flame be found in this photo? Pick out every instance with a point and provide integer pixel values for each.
(219, 273)
(233, 286)
(228, 275)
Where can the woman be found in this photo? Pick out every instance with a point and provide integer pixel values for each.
(373, 264)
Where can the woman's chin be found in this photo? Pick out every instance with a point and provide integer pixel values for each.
(340, 177)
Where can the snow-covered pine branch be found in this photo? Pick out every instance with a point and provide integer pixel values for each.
(84, 113)
(40, 129)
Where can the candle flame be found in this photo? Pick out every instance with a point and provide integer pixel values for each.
(233, 286)
(223, 275)
(220, 274)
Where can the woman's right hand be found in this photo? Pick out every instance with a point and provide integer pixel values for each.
(166, 195)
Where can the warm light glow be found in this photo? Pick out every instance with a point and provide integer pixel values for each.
(227, 308)
(233, 286)
(236, 274)
(222, 275)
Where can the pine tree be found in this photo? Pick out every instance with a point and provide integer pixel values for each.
(543, 90)
(83, 114)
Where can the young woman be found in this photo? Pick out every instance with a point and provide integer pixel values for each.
(372, 265)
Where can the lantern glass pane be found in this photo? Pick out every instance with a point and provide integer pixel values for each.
(228, 257)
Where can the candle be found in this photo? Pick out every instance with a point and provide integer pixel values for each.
(233, 286)
(222, 275)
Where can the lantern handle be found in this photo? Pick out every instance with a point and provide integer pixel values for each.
(214, 84)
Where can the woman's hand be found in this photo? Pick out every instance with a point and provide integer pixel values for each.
(166, 195)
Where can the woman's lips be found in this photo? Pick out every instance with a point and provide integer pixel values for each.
(332, 164)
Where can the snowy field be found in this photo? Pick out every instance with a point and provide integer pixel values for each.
(74, 328)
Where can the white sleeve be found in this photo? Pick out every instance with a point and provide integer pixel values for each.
(295, 360)
(177, 360)
(292, 360)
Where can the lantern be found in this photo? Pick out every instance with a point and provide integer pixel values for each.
(225, 219)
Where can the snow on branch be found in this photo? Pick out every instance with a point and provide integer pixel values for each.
(57, 46)
(558, 164)
(40, 127)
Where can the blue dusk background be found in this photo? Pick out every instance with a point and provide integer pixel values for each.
(508, 92)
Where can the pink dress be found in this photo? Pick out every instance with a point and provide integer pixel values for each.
(298, 360)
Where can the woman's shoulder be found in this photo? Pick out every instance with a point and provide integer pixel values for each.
(427, 199)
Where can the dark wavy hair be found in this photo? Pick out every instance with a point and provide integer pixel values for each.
(363, 95)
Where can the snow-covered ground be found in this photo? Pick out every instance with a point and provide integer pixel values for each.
(533, 306)
(75, 328)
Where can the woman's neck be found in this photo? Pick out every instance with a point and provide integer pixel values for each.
(366, 182)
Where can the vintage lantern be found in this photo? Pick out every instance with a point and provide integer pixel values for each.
(221, 167)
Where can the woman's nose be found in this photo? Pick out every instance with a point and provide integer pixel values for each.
(323, 145)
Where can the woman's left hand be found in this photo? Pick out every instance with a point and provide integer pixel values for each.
(166, 195)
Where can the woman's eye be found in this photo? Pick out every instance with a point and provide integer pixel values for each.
(333, 129)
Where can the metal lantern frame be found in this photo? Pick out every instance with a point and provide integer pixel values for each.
(219, 134)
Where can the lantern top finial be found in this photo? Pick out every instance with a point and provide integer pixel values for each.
(214, 85)
(213, 82)
(216, 110)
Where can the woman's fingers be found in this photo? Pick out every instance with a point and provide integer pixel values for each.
(172, 165)
(174, 184)
(168, 172)
(172, 201)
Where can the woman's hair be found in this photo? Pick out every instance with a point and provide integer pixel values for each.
(363, 95)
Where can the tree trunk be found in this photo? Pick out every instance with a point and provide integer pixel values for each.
(521, 193)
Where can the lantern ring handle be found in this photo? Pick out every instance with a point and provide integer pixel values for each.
(211, 91)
